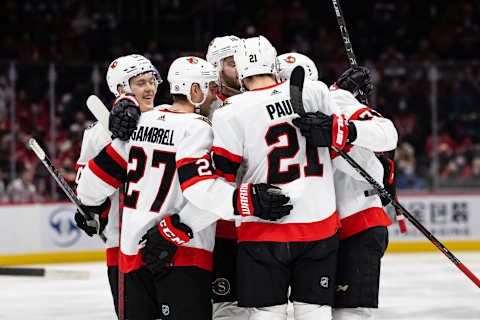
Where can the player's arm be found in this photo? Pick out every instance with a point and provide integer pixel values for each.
(373, 131)
(103, 175)
(202, 187)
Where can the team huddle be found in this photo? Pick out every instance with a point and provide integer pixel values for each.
(234, 204)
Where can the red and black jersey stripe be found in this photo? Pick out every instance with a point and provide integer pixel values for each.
(109, 166)
(365, 113)
(226, 163)
(193, 170)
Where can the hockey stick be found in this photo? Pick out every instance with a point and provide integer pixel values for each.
(46, 273)
(297, 105)
(353, 63)
(65, 187)
(100, 111)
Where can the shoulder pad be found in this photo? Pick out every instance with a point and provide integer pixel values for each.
(204, 119)
(90, 126)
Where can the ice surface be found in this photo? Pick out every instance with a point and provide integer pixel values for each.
(413, 286)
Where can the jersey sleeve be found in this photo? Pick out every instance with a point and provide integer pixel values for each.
(198, 180)
(196, 218)
(227, 146)
(95, 138)
(374, 132)
(104, 174)
(316, 97)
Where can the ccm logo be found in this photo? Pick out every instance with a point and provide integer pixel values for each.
(169, 233)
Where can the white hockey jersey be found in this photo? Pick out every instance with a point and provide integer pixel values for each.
(225, 228)
(374, 133)
(95, 138)
(255, 141)
(169, 171)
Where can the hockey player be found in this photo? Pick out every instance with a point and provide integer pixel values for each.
(141, 80)
(254, 136)
(363, 235)
(169, 171)
(224, 287)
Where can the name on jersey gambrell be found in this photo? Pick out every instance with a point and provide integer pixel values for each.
(153, 135)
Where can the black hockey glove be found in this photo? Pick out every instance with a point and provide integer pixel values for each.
(356, 80)
(124, 117)
(322, 130)
(389, 177)
(162, 241)
(260, 200)
(100, 217)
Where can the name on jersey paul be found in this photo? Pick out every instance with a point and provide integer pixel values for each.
(153, 135)
(279, 109)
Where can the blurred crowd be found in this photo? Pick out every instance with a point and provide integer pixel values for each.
(421, 53)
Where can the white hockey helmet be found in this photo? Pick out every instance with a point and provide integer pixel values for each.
(288, 61)
(221, 48)
(255, 56)
(185, 71)
(122, 69)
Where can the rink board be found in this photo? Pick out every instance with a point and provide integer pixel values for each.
(46, 233)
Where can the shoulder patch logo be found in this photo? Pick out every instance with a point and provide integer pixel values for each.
(114, 64)
(205, 119)
(290, 59)
(193, 60)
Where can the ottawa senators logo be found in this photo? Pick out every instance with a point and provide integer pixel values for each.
(192, 60)
(114, 64)
(211, 43)
(290, 59)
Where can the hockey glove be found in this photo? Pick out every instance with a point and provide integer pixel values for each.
(260, 200)
(161, 242)
(100, 218)
(322, 130)
(124, 117)
(356, 80)
(389, 177)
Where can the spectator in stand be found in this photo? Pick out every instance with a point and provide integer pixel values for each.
(406, 176)
(22, 189)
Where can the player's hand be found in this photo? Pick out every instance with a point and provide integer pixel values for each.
(356, 80)
(389, 177)
(322, 130)
(261, 200)
(124, 117)
(161, 242)
(99, 220)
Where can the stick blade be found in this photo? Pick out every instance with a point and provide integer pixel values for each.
(296, 87)
(36, 148)
(98, 109)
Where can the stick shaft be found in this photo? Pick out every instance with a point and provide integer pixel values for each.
(59, 179)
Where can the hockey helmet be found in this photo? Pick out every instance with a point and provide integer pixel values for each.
(288, 61)
(186, 71)
(255, 56)
(122, 69)
(221, 48)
